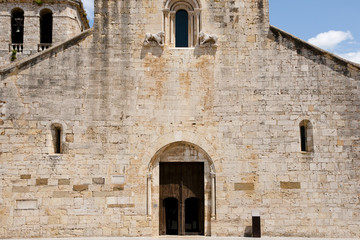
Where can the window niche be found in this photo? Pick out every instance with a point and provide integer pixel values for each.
(17, 29)
(182, 23)
(306, 136)
(57, 134)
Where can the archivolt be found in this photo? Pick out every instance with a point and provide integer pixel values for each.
(174, 5)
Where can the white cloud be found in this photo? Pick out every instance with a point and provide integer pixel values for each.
(89, 8)
(329, 40)
(352, 56)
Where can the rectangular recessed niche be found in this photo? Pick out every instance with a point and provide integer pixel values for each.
(117, 179)
(26, 204)
(290, 185)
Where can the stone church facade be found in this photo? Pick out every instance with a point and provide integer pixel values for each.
(179, 117)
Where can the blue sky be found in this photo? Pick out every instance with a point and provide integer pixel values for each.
(333, 25)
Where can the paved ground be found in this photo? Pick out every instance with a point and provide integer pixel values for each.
(187, 238)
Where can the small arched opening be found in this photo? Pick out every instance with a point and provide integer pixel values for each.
(56, 133)
(17, 29)
(306, 136)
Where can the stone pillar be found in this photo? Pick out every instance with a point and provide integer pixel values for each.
(31, 33)
(190, 29)
(166, 27)
(213, 206)
(197, 25)
(172, 28)
(149, 184)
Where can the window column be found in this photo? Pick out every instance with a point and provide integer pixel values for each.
(166, 27)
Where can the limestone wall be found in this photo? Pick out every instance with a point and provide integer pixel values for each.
(119, 102)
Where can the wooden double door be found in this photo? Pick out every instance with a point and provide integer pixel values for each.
(181, 198)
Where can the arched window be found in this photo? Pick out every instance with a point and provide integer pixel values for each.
(56, 132)
(182, 22)
(306, 136)
(181, 29)
(46, 25)
(17, 29)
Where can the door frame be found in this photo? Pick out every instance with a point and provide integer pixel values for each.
(187, 187)
(153, 188)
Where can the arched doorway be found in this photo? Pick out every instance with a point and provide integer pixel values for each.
(181, 190)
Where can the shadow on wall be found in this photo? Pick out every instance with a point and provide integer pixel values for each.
(154, 50)
(204, 50)
(248, 231)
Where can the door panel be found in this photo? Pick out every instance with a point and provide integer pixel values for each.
(183, 182)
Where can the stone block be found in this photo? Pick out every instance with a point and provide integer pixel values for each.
(243, 186)
(98, 180)
(25, 176)
(102, 194)
(26, 204)
(80, 187)
(251, 39)
(118, 187)
(64, 181)
(117, 179)
(290, 185)
(69, 137)
(121, 205)
(41, 181)
(61, 194)
(20, 189)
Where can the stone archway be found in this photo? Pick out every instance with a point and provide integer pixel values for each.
(182, 154)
